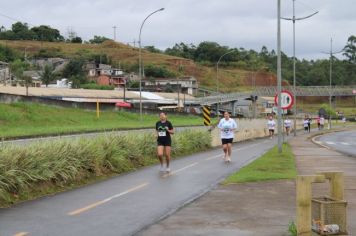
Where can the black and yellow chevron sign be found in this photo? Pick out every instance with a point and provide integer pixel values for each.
(206, 115)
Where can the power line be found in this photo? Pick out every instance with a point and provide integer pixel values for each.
(15, 19)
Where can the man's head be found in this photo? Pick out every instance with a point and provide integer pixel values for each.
(162, 116)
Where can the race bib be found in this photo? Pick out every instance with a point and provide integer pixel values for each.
(162, 133)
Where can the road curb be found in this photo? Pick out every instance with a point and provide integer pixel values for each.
(313, 139)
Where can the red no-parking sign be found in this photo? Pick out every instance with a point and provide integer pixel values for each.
(287, 99)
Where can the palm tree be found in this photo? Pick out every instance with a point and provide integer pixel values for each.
(47, 75)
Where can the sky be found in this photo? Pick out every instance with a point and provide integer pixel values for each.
(248, 24)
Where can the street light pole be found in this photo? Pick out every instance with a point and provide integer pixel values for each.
(279, 75)
(217, 69)
(114, 27)
(217, 77)
(330, 77)
(140, 58)
(294, 62)
(331, 71)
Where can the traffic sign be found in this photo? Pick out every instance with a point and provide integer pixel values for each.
(287, 99)
(206, 115)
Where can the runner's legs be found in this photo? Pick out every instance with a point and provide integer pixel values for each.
(168, 155)
(160, 153)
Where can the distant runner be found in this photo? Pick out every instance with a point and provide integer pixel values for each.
(287, 125)
(227, 127)
(164, 129)
(322, 122)
(306, 124)
(271, 124)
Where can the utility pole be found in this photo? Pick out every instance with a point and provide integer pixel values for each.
(279, 75)
(114, 27)
(294, 62)
(330, 77)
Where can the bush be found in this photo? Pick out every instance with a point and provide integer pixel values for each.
(25, 170)
(97, 86)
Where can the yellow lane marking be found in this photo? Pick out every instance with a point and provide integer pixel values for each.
(179, 170)
(98, 203)
(21, 234)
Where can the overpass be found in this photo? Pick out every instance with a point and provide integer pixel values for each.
(300, 91)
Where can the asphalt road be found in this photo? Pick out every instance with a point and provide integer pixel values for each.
(126, 204)
(344, 142)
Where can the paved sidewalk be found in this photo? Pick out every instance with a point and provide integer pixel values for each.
(264, 208)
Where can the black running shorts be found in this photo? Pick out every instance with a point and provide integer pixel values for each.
(164, 142)
(226, 140)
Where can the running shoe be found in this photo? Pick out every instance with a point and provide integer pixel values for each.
(228, 159)
(161, 169)
(168, 170)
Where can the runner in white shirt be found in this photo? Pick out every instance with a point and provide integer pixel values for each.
(305, 124)
(271, 124)
(287, 125)
(227, 127)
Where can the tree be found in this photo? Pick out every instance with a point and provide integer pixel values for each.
(46, 33)
(77, 80)
(158, 72)
(75, 73)
(182, 50)
(98, 39)
(17, 68)
(153, 49)
(211, 51)
(350, 49)
(76, 40)
(7, 54)
(19, 27)
(73, 68)
(47, 75)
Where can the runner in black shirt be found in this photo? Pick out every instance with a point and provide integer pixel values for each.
(164, 129)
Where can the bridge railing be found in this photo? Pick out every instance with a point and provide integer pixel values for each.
(272, 91)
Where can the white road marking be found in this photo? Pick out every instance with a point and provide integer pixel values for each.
(21, 234)
(179, 170)
(346, 144)
(330, 143)
(98, 203)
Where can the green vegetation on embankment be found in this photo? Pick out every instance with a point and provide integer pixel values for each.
(38, 169)
(31, 119)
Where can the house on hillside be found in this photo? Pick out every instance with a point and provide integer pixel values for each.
(186, 85)
(104, 74)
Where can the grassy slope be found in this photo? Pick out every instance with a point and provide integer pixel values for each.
(271, 166)
(229, 79)
(24, 119)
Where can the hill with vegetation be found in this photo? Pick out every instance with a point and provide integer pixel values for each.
(239, 69)
(231, 78)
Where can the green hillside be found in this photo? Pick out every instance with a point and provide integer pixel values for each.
(231, 78)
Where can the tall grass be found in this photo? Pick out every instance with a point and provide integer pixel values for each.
(25, 170)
